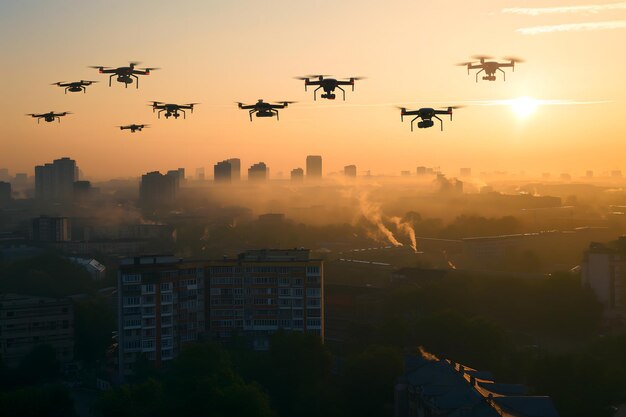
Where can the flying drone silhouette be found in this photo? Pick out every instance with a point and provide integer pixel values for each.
(328, 85)
(50, 116)
(426, 114)
(125, 74)
(263, 109)
(490, 67)
(171, 110)
(74, 86)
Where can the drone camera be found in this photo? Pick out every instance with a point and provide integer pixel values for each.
(424, 124)
(329, 96)
(489, 78)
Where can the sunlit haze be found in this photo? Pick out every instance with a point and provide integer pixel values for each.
(217, 53)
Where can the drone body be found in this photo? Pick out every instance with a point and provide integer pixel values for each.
(49, 117)
(263, 109)
(490, 67)
(125, 74)
(133, 127)
(75, 86)
(426, 114)
(172, 110)
(328, 85)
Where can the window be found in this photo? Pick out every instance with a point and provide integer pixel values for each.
(313, 292)
(131, 278)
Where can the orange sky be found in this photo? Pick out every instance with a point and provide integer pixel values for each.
(218, 52)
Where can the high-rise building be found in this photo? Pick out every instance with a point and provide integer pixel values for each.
(157, 189)
(4, 174)
(29, 321)
(297, 174)
(263, 291)
(222, 172)
(200, 174)
(405, 173)
(20, 179)
(161, 308)
(421, 170)
(51, 229)
(5, 192)
(465, 172)
(55, 181)
(603, 269)
(235, 166)
(314, 167)
(165, 303)
(258, 172)
(349, 170)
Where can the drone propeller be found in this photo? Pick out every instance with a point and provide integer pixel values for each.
(357, 78)
(481, 57)
(513, 59)
(317, 75)
(154, 102)
(134, 63)
(87, 81)
(454, 107)
(99, 67)
(59, 83)
(191, 104)
(149, 69)
(286, 102)
(463, 64)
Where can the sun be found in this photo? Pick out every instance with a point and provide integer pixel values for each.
(524, 106)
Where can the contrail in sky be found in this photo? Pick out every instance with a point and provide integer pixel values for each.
(591, 8)
(573, 27)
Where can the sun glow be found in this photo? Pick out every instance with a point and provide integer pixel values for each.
(524, 106)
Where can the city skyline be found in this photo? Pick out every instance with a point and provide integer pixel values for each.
(576, 127)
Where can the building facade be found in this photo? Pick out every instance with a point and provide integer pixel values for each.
(55, 181)
(263, 291)
(166, 303)
(349, 170)
(235, 169)
(157, 189)
(297, 174)
(222, 172)
(314, 167)
(28, 321)
(51, 229)
(258, 172)
(160, 309)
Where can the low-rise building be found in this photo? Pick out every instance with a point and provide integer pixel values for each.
(29, 321)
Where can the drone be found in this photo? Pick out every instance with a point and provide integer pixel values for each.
(490, 67)
(328, 85)
(75, 86)
(426, 114)
(263, 109)
(133, 127)
(125, 74)
(49, 117)
(171, 110)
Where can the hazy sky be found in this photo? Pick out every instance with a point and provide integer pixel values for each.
(219, 52)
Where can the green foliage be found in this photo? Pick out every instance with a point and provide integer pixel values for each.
(369, 380)
(39, 365)
(47, 275)
(94, 322)
(37, 401)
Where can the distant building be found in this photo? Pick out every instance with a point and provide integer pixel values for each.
(222, 172)
(297, 174)
(545, 175)
(565, 177)
(5, 192)
(438, 387)
(235, 169)
(161, 308)
(314, 167)
(4, 174)
(258, 172)
(200, 174)
(616, 174)
(28, 321)
(349, 170)
(157, 189)
(51, 229)
(421, 171)
(603, 269)
(55, 181)
(405, 173)
(82, 189)
(589, 174)
(178, 175)
(465, 172)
